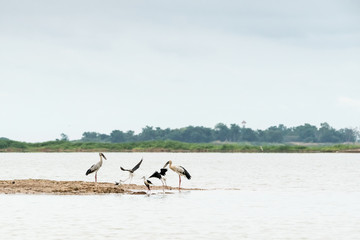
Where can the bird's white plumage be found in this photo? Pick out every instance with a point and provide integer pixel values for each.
(95, 168)
(179, 170)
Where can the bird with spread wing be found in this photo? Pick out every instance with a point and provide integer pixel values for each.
(131, 171)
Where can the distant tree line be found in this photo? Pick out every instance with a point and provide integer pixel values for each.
(234, 133)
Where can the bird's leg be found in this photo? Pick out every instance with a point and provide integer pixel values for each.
(130, 176)
(96, 177)
(125, 180)
(179, 182)
(162, 181)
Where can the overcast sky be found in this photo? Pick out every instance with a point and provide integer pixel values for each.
(75, 66)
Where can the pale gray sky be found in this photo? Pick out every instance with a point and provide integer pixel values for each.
(75, 66)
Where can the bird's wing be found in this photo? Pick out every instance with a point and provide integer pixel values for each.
(90, 170)
(155, 174)
(163, 171)
(125, 169)
(137, 166)
(186, 173)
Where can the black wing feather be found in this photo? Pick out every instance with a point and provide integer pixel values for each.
(89, 170)
(186, 173)
(125, 169)
(156, 174)
(137, 166)
(163, 171)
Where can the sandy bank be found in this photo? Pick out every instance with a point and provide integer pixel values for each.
(42, 186)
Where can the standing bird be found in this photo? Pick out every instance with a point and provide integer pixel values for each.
(160, 175)
(147, 183)
(95, 168)
(179, 170)
(131, 171)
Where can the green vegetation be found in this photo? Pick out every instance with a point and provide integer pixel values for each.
(276, 134)
(305, 138)
(167, 146)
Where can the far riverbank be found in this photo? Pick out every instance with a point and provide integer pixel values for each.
(174, 146)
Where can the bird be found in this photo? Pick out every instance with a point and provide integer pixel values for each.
(147, 183)
(160, 175)
(95, 167)
(179, 170)
(131, 171)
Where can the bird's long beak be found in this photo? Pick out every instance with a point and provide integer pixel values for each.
(166, 164)
(103, 156)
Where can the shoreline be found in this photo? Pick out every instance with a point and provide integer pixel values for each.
(53, 187)
(178, 147)
(174, 151)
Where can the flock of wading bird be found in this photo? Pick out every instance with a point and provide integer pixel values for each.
(181, 171)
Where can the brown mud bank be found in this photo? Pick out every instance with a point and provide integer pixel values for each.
(43, 186)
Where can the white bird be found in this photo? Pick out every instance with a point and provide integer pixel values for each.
(131, 171)
(95, 168)
(179, 170)
(147, 183)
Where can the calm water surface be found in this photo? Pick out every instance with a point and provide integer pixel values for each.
(252, 196)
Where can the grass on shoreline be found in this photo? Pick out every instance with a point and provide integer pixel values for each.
(169, 146)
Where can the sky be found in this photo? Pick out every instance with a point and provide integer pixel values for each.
(83, 65)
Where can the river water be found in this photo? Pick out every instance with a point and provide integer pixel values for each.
(249, 196)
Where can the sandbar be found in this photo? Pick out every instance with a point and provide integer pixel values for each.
(44, 186)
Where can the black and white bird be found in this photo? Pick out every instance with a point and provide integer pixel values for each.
(147, 183)
(95, 168)
(160, 175)
(131, 171)
(181, 171)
